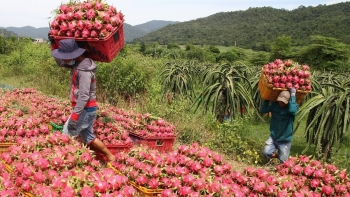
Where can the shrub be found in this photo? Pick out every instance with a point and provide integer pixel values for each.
(172, 46)
(196, 54)
(123, 78)
(214, 49)
(228, 141)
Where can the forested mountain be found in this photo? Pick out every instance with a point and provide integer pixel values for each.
(132, 32)
(5, 33)
(255, 27)
(29, 31)
(154, 25)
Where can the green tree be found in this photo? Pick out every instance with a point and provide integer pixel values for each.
(189, 47)
(326, 53)
(260, 59)
(172, 45)
(143, 47)
(262, 47)
(281, 48)
(214, 49)
(2, 45)
(239, 52)
(9, 44)
(155, 46)
(227, 56)
(196, 54)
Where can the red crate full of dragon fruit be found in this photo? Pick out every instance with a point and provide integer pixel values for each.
(162, 144)
(98, 49)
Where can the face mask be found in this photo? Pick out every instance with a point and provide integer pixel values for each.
(71, 63)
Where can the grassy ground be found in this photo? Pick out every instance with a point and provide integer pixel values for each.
(258, 132)
(12, 82)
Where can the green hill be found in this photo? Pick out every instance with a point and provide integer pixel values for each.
(255, 27)
(6, 33)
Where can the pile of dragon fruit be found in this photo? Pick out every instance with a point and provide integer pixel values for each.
(288, 74)
(88, 19)
(144, 125)
(57, 165)
(195, 170)
(46, 163)
(27, 112)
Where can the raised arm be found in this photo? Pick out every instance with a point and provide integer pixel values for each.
(265, 107)
(293, 106)
(62, 63)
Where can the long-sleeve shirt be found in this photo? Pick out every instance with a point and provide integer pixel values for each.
(83, 86)
(281, 124)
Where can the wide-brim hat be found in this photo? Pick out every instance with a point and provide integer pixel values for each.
(284, 96)
(68, 49)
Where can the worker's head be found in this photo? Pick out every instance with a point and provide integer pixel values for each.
(283, 98)
(68, 51)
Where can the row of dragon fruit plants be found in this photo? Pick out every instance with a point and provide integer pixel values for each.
(57, 165)
(27, 112)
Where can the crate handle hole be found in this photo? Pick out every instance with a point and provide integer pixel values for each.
(159, 143)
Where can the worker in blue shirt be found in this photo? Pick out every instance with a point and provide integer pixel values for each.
(281, 125)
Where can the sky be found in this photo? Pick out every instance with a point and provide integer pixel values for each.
(38, 13)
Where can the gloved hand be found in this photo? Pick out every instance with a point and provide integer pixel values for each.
(72, 125)
(292, 91)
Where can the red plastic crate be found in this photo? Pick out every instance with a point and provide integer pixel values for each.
(113, 149)
(164, 144)
(98, 49)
